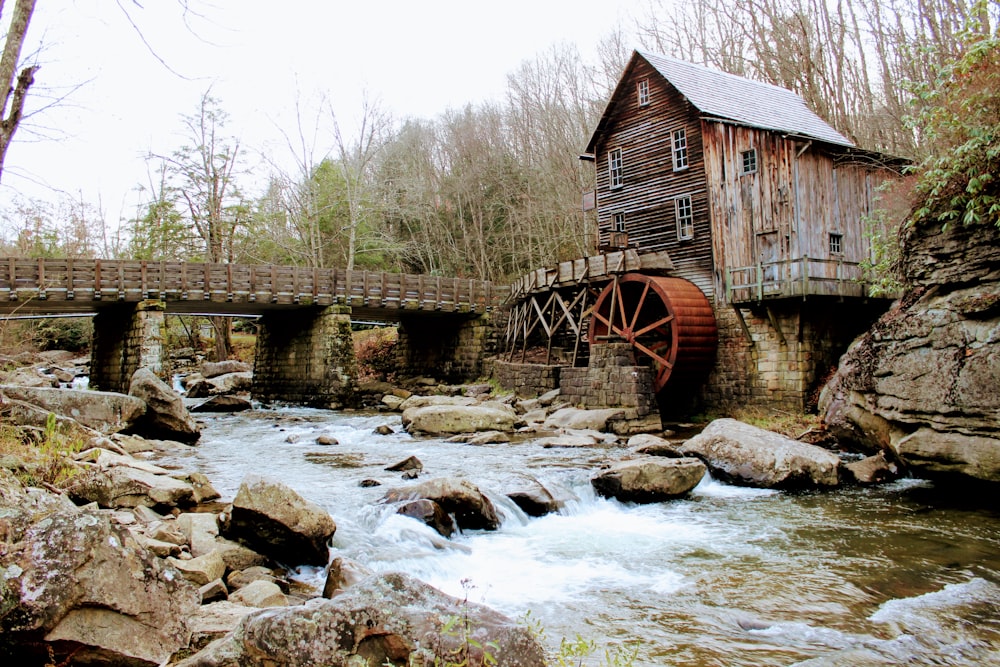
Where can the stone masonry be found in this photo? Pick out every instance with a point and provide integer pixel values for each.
(307, 357)
(612, 380)
(526, 379)
(446, 348)
(781, 367)
(126, 338)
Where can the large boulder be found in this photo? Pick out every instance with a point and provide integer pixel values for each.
(211, 369)
(922, 383)
(385, 619)
(450, 419)
(166, 416)
(125, 486)
(749, 456)
(78, 586)
(534, 499)
(459, 497)
(274, 520)
(650, 479)
(103, 411)
(580, 419)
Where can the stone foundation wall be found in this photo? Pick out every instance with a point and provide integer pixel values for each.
(781, 371)
(306, 357)
(612, 380)
(526, 379)
(125, 339)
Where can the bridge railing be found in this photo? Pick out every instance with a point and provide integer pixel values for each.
(97, 280)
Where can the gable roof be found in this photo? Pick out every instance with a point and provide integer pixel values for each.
(727, 97)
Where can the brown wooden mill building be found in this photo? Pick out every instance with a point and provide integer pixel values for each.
(731, 223)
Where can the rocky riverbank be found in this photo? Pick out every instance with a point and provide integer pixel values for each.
(923, 386)
(126, 562)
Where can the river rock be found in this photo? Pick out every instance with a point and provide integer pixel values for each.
(580, 419)
(214, 620)
(392, 402)
(30, 377)
(103, 411)
(166, 416)
(872, 470)
(460, 498)
(449, 419)
(389, 618)
(211, 369)
(81, 587)
(21, 506)
(123, 486)
(213, 591)
(200, 530)
(201, 570)
(223, 404)
(420, 401)
(749, 456)
(922, 383)
(231, 383)
(409, 463)
(260, 593)
(273, 519)
(649, 480)
(429, 513)
(534, 499)
(653, 445)
(237, 579)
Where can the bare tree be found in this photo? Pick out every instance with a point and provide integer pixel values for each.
(14, 92)
(356, 161)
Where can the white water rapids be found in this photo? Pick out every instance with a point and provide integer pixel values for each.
(729, 576)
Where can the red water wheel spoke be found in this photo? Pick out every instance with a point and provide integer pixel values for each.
(611, 328)
(641, 309)
(656, 325)
(660, 359)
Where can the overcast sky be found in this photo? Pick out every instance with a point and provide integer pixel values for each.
(418, 57)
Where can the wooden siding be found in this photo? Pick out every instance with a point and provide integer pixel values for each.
(782, 216)
(645, 135)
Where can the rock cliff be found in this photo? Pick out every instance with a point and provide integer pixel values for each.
(924, 383)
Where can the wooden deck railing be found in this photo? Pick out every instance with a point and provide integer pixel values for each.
(795, 278)
(49, 281)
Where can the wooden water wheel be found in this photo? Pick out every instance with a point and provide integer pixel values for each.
(668, 322)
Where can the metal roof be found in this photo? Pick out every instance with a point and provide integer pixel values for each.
(731, 97)
(726, 97)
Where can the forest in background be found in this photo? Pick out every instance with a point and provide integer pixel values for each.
(493, 190)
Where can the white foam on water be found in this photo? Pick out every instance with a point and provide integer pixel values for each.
(919, 612)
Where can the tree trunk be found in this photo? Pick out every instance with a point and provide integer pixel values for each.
(223, 337)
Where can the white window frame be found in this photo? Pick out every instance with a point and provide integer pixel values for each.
(749, 156)
(618, 222)
(679, 149)
(642, 92)
(684, 215)
(616, 168)
(836, 243)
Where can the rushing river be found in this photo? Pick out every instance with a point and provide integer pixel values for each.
(901, 574)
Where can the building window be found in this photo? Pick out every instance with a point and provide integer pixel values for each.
(836, 244)
(618, 222)
(642, 90)
(615, 171)
(749, 161)
(685, 218)
(680, 150)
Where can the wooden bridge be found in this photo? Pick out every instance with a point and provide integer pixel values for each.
(58, 286)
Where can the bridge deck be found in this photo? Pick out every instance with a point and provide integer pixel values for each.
(53, 286)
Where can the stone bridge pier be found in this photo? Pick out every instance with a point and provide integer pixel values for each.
(305, 356)
(127, 336)
(449, 348)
